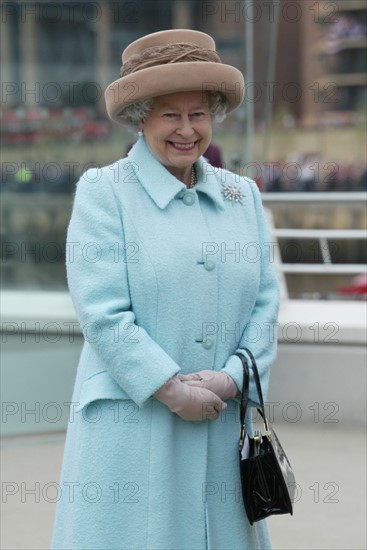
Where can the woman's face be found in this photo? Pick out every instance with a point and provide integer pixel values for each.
(178, 130)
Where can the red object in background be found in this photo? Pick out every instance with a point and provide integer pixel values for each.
(358, 286)
(95, 130)
(56, 126)
(213, 154)
(21, 126)
(32, 121)
(259, 183)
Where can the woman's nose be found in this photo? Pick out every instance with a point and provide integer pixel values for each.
(185, 128)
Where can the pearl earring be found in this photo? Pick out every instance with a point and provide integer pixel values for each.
(140, 133)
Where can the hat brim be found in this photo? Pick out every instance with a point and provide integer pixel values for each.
(175, 77)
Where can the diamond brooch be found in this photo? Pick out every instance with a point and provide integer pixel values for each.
(232, 193)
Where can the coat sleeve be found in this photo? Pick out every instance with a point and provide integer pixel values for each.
(98, 283)
(264, 315)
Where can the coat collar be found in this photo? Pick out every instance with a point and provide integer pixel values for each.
(162, 186)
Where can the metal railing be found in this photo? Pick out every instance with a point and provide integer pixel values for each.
(323, 237)
(329, 197)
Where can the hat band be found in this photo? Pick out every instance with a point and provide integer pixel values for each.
(171, 53)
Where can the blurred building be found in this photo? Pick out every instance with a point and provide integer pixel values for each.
(334, 63)
(63, 54)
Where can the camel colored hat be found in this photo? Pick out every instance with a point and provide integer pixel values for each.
(150, 69)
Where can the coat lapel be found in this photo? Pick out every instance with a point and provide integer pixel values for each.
(160, 185)
(209, 178)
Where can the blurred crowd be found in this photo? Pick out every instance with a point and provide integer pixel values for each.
(345, 28)
(309, 172)
(35, 126)
(296, 173)
(300, 172)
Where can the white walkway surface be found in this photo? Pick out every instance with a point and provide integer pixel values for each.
(329, 461)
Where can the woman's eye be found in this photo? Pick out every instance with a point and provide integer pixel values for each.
(169, 115)
(199, 114)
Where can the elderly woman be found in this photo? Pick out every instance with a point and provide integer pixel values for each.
(170, 275)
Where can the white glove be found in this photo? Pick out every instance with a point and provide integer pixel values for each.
(190, 403)
(218, 382)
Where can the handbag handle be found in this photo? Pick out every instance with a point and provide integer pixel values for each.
(245, 390)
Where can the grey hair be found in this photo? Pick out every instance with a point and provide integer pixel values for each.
(134, 113)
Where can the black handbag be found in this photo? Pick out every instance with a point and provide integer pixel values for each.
(267, 480)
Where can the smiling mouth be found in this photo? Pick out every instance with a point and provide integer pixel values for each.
(183, 146)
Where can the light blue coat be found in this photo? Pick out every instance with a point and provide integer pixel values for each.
(164, 280)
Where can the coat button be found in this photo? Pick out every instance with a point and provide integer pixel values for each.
(188, 198)
(209, 265)
(207, 343)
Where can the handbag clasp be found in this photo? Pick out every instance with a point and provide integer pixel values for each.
(257, 442)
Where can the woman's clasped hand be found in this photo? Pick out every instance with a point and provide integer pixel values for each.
(198, 396)
(218, 382)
